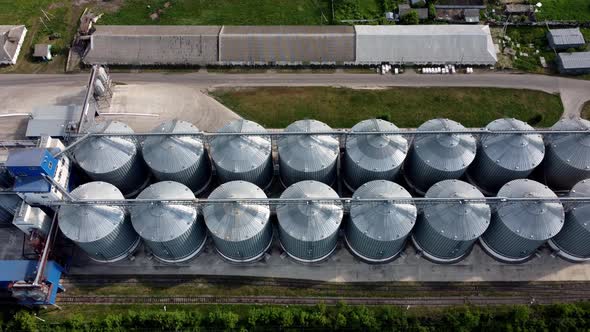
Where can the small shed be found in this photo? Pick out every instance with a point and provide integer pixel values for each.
(471, 15)
(42, 52)
(519, 8)
(562, 39)
(577, 63)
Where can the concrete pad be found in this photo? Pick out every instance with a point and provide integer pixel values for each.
(170, 101)
(343, 267)
(20, 99)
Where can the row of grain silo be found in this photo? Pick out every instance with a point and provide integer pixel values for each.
(310, 215)
(488, 162)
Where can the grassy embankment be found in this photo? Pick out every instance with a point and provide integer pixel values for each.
(406, 107)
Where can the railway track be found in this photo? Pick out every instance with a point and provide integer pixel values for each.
(286, 300)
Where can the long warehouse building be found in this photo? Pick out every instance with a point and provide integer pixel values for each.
(291, 45)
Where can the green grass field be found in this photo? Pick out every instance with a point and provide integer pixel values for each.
(229, 12)
(586, 111)
(564, 10)
(406, 107)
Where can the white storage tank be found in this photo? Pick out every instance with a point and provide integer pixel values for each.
(519, 228)
(241, 231)
(437, 157)
(308, 230)
(113, 159)
(178, 158)
(373, 157)
(104, 232)
(446, 232)
(567, 159)
(573, 241)
(376, 232)
(174, 233)
(503, 158)
(240, 157)
(308, 157)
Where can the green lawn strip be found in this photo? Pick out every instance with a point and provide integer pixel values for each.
(222, 12)
(406, 107)
(564, 10)
(586, 111)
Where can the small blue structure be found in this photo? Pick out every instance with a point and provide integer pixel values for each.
(31, 162)
(17, 277)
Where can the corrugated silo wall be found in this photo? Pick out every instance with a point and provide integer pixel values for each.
(356, 175)
(182, 246)
(492, 177)
(128, 178)
(196, 176)
(437, 245)
(573, 238)
(247, 249)
(260, 176)
(290, 175)
(559, 174)
(246, 46)
(114, 245)
(422, 175)
(308, 250)
(370, 247)
(502, 240)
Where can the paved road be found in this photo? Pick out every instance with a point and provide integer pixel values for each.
(574, 93)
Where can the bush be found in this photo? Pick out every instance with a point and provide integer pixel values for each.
(411, 18)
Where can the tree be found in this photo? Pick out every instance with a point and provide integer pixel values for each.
(431, 11)
(411, 18)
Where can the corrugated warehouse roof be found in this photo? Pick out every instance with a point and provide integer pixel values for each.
(151, 45)
(566, 37)
(425, 44)
(577, 60)
(286, 44)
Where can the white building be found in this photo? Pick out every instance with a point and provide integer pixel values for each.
(11, 41)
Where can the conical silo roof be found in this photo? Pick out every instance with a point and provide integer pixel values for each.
(239, 157)
(173, 154)
(161, 222)
(383, 221)
(568, 155)
(530, 220)
(517, 152)
(314, 155)
(104, 154)
(89, 223)
(373, 155)
(310, 220)
(581, 212)
(445, 152)
(462, 221)
(236, 221)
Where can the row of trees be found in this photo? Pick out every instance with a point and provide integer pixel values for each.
(563, 317)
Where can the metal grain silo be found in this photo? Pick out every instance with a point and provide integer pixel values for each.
(518, 229)
(113, 159)
(308, 157)
(9, 205)
(308, 230)
(373, 157)
(503, 158)
(436, 157)
(173, 232)
(178, 158)
(104, 232)
(377, 231)
(573, 241)
(245, 158)
(241, 231)
(567, 159)
(446, 231)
